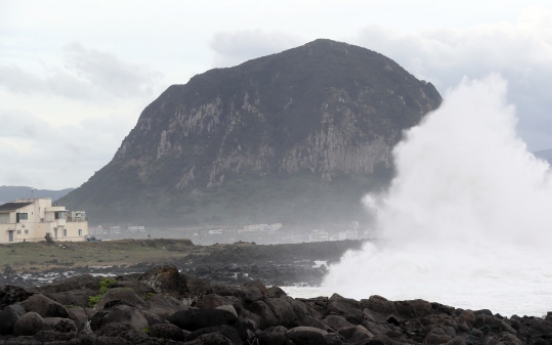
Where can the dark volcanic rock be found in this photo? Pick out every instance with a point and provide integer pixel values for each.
(126, 315)
(167, 331)
(165, 279)
(194, 319)
(8, 318)
(44, 306)
(12, 294)
(253, 314)
(227, 331)
(29, 324)
(307, 336)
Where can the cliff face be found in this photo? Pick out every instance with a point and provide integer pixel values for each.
(322, 111)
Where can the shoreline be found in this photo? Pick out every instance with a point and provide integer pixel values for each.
(163, 306)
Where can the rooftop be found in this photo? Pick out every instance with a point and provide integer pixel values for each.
(12, 206)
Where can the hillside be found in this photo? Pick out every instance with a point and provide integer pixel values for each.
(297, 136)
(10, 193)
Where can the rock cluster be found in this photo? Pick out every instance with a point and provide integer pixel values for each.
(164, 306)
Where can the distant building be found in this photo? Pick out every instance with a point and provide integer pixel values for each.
(31, 219)
(135, 228)
(261, 227)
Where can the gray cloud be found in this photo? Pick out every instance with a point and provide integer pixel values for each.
(44, 156)
(88, 74)
(520, 53)
(16, 80)
(232, 48)
(109, 73)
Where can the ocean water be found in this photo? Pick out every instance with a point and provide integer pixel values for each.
(467, 221)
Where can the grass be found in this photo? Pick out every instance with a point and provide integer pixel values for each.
(29, 256)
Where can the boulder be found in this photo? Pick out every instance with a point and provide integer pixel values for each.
(167, 331)
(310, 321)
(271, 338)
(379, 305)
(164, 279)
(437, 336)
(229, 308)
(29, 324)
(227, 331)
(8, 318)
(348, 308)
(44, 306)
(121, 294)
(12, 294)
(210, 339)
(79, 316)
(247, 293)
(53, 336)
(117, 329)
(275, 292)
(333, 339)
(194, 319)
(61, 325)
(264, 313)
(246, 328)
(336, 322)
(307, 336)
(77, 298)
(213, 301)
(316, 307)
(354, 334)
(128, 316)
(193, 286)
(164, 305)
(277, 329)
(469, 317)
(282, 311)
(509, 339)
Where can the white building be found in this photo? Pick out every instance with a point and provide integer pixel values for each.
(31, 219)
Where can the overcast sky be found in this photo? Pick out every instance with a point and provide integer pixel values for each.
(75, 75)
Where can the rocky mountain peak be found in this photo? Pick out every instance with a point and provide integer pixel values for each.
(322, 111)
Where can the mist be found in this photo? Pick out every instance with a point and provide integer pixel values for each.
(467, 220)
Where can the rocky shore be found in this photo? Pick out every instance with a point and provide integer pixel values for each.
(283, 265)
(165, 306)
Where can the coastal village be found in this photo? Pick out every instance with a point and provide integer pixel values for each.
(275, 233)
(34, 219)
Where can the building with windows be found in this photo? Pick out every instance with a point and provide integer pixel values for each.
(31, 219)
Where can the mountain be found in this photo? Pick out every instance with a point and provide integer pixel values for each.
(293, 137)
(10, 193)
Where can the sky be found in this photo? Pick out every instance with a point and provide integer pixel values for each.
(75, 75)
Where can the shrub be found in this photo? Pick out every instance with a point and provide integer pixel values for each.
(49, 239)
(93, 300)
(106, 283)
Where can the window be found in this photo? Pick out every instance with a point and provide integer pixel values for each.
(26, 232)
(60, 215)
(80, 232)
(64, 232)
(19, 232)
(21, 216)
